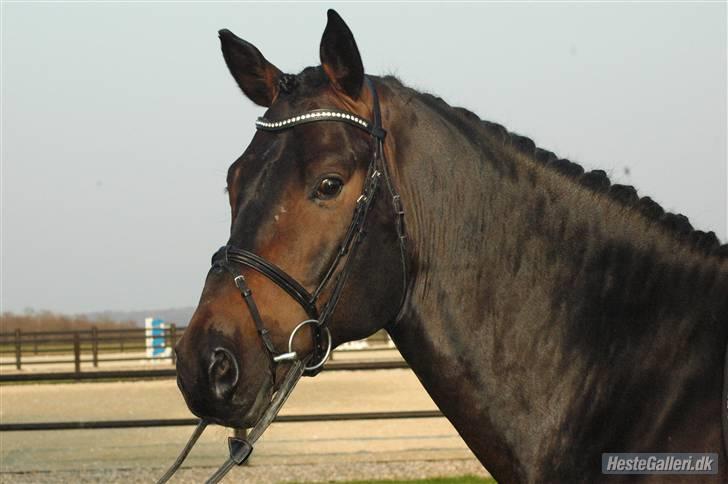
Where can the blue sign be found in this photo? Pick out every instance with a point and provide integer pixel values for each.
(155, 338)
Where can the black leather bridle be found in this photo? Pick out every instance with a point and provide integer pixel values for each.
(228, 257)
(231, 259)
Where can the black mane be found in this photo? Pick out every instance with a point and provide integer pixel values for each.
(597, 180)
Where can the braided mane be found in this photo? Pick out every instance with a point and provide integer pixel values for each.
(597, 180)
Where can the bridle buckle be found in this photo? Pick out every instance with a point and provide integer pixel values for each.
(241, 285)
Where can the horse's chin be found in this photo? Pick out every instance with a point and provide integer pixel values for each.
(250, 417)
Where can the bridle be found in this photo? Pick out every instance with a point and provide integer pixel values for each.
(230, 259)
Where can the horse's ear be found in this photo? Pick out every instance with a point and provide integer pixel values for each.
(340, 57)
(257, 77)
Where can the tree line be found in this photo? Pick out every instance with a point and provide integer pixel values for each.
(50, 321)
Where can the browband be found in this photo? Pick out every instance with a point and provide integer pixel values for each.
(318, 115)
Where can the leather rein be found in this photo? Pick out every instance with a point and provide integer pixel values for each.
(229, 259)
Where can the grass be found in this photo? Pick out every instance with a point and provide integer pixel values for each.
(433, 480)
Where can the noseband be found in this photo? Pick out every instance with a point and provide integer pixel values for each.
(231, 259)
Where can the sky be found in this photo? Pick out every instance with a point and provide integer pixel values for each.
(119, 120)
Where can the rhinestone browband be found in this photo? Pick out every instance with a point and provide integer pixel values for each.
(315, 116)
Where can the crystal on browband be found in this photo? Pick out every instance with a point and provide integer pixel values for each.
(313, 116)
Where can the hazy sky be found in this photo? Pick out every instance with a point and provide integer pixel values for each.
(119, 120)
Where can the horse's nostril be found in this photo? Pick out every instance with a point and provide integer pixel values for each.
(223, 372)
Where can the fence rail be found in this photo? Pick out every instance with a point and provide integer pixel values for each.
(76, 342)
(168, 373)
(172, 373)
(93, 346)
(179, 422)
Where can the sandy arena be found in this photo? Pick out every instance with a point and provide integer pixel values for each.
(321, 451)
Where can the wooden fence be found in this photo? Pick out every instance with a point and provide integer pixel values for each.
(76, 347)
(83, 346)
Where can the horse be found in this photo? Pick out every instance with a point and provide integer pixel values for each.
(551, 315)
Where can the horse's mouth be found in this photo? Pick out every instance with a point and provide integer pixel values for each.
(250, 417)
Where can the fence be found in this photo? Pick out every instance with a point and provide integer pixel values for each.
(91, 341)
(179, 422)
(96, 340)
(170, 373)
(89, 346)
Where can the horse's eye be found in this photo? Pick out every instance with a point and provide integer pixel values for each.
(328, 188)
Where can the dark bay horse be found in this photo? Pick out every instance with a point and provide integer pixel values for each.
(550, 314)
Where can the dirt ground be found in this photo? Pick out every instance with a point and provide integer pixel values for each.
(320, 451)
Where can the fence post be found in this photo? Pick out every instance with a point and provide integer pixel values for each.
(77, 351)
(18, 348)
(173, 341)
(95, 345)
(35, 344)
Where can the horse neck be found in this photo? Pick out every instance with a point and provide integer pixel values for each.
(540, 313)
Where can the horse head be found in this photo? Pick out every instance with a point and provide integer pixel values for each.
(311, 223)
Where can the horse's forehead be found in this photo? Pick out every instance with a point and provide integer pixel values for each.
(278, 154)
(301, 146)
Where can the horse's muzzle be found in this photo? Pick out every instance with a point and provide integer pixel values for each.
(223, 373)
(208, 379)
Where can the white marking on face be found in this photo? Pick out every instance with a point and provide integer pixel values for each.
(281, 209)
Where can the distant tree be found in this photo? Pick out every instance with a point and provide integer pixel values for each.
(32, 321)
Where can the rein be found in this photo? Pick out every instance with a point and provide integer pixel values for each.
(229, 258)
